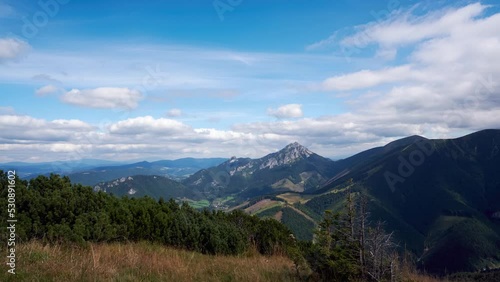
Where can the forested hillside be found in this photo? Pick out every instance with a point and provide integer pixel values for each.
(439, 196)
(53, 210)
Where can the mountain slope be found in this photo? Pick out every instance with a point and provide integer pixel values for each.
(294, 168)
(175, 169)
(31, 170)
(146, 185)
(439, 195)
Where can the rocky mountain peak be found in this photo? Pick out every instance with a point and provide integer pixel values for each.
(291, 153)
(297, 150)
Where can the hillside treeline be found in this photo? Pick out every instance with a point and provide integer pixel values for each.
(52, 209)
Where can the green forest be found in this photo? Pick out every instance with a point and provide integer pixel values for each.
(52, 210)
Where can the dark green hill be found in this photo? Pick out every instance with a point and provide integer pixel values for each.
(439, 196)
(146, 185)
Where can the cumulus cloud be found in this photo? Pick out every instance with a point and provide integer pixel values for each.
(174, 113)
(447, 77)
(12, 48)
(26, 129)
(148, 125)
(402, 28)
(286, 111)
(139, 137)
(104, 97)
(405, 28)
(47, 90)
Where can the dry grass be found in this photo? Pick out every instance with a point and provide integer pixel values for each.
(262, 205)
(140, 262)
(417, 277)
(238, 206)
(293, 198)
(278, 216)
(151, 262)
(410, 274)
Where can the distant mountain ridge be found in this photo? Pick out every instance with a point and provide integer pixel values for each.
(174, 169)
(92, 171)
(29, 170)
(294, 168)
(154, 186)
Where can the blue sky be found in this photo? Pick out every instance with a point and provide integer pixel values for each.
(167, 79)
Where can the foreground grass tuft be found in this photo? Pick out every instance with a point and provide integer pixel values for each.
(140, 262)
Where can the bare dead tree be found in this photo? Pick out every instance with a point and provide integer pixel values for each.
(363, 223)
(381, 257)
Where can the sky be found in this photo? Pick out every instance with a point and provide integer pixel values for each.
(150, 80)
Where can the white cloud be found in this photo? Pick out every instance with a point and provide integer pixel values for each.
(222, 135)
(12, 48)
(148, 125)
(174, 113)
(287, 111)
(148, 137)
(407, 29)
(323, 44)
(446, 81)
(141, 137)
(47, 90)
(367, 78)
(104, 97)
(403, 28)
(27, 130)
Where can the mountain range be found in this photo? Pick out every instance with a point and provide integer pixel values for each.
(93, 171)
(294, 168)
(441, 197)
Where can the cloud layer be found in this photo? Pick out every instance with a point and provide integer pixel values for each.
(286, 111)
(12, 49)
(104, 97)
(435, 74)
(47, 90)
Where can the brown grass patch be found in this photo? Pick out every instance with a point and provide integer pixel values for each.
(261, 205)
(278, 216)
(140, 262)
